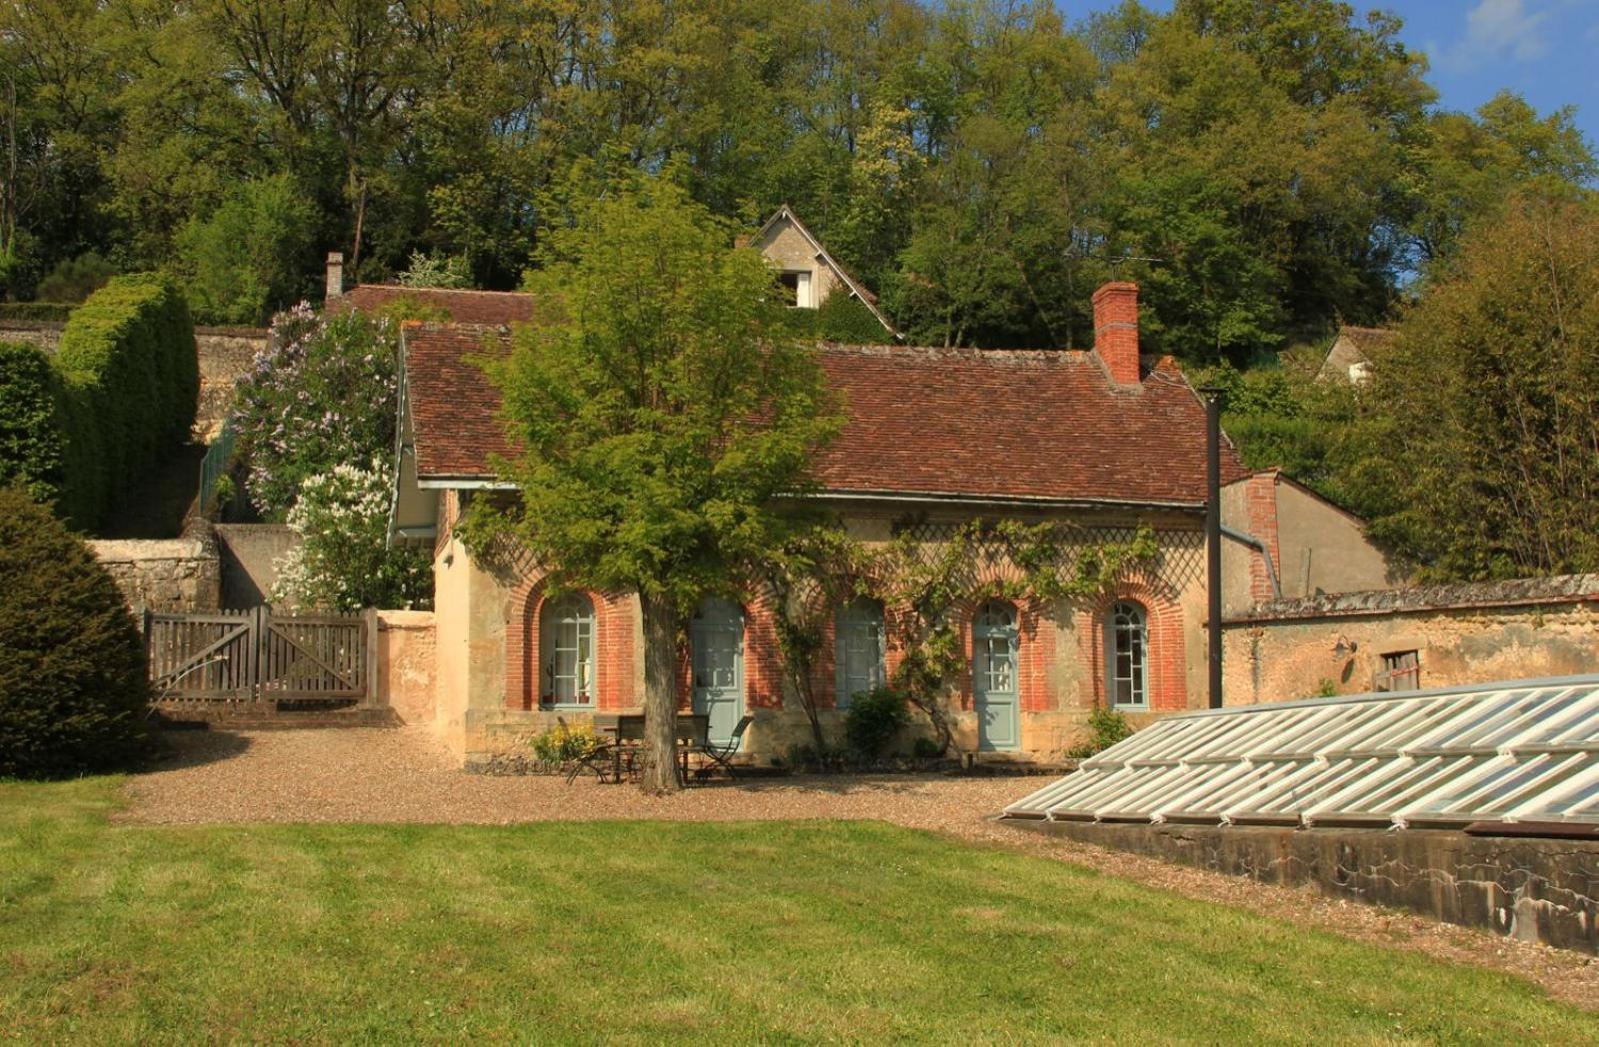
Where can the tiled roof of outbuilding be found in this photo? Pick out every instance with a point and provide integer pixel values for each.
(968, 423)
(463, 306)
(455, 409)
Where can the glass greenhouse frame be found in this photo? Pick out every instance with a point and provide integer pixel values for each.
(1522, 753)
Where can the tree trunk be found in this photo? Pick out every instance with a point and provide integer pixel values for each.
(660, 696)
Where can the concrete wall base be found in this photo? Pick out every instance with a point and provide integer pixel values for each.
(1541, 890)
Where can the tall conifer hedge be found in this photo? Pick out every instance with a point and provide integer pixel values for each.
(126, 385)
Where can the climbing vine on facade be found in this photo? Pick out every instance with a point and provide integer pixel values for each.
(922, 583)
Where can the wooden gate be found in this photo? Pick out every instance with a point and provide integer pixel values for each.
(259, 658)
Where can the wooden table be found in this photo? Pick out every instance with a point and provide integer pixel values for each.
(627, 738)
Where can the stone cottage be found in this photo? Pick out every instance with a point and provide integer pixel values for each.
(1104, 440)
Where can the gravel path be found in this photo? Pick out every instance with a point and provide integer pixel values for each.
(403, 775)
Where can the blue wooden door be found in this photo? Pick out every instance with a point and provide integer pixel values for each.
(717, 638)
(998, 703)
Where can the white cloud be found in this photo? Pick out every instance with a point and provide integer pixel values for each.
(1498, 30)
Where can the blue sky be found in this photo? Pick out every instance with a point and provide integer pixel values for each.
(1546, 50)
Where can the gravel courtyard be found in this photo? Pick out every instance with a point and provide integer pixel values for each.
(403, 775)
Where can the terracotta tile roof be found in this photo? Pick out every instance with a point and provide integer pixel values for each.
(968, 423)
(464, 307)
(454, 408)
(1016, 424)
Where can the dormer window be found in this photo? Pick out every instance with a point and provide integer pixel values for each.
(798, 284)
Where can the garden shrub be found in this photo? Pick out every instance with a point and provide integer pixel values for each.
(32, 445)
(344, 561)
(131, 380)
(436, 270)
(1106, 727)
(323, 393)
(926, 749)
(73, 686)
(47, 312)
(75, 279)
(562, 744)
(873, 719)
(840, 318)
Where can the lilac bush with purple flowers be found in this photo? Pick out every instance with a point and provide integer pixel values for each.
(324, 392)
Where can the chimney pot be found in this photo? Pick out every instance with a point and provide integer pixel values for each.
(335, 274)
(1116, 330)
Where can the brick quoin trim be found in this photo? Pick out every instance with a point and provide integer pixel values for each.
(1260, 504)
(614, 666)
(1165, 666)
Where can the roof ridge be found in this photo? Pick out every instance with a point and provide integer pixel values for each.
(446, 290)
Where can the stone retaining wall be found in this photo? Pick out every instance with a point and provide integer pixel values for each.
(173, 574)
(225, 355)
(1532, 889)
(249, 561)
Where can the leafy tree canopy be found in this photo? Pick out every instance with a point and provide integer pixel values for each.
(1477, 447)
(665, 411)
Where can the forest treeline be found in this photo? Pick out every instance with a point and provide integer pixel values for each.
(1265, 168)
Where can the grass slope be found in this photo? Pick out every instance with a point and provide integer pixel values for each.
(653, 931)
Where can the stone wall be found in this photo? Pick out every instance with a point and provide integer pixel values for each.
(406, 675)
(1535, 890)
(249, 561)
(225, 355)
(46, 334)
(174, 574)
(1462, 634)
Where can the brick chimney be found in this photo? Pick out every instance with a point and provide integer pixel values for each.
(1116, 330)
(335, 274)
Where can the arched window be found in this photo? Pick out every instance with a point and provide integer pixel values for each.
(1127, 655)
(566, 651)
(858, 649)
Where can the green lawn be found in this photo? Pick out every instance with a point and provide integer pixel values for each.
(646, 931)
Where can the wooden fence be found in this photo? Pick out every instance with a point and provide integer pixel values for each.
(260, 658)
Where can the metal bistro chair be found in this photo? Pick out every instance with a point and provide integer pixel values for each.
(722, 755)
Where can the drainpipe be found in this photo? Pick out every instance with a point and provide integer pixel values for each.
(1213, 537)
(1265, 554)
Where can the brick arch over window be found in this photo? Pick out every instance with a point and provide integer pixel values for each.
(824, 667)
(614, 664)
(1035, 655)
(1166, 663)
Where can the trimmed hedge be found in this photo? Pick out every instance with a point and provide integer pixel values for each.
(125, 387)
(73, 682)
(32, 441)
(33, 312)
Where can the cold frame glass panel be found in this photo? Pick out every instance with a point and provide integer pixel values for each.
(1527, 754)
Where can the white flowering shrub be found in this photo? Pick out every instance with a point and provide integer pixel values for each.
(325, 391)
(343, 562)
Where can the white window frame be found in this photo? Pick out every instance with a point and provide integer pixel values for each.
(859, 656)
(1131, 619)
(566, 627)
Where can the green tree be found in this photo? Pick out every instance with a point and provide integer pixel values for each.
(248, 257)
(664, 416)
(1478, 447)
(1471, 163)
